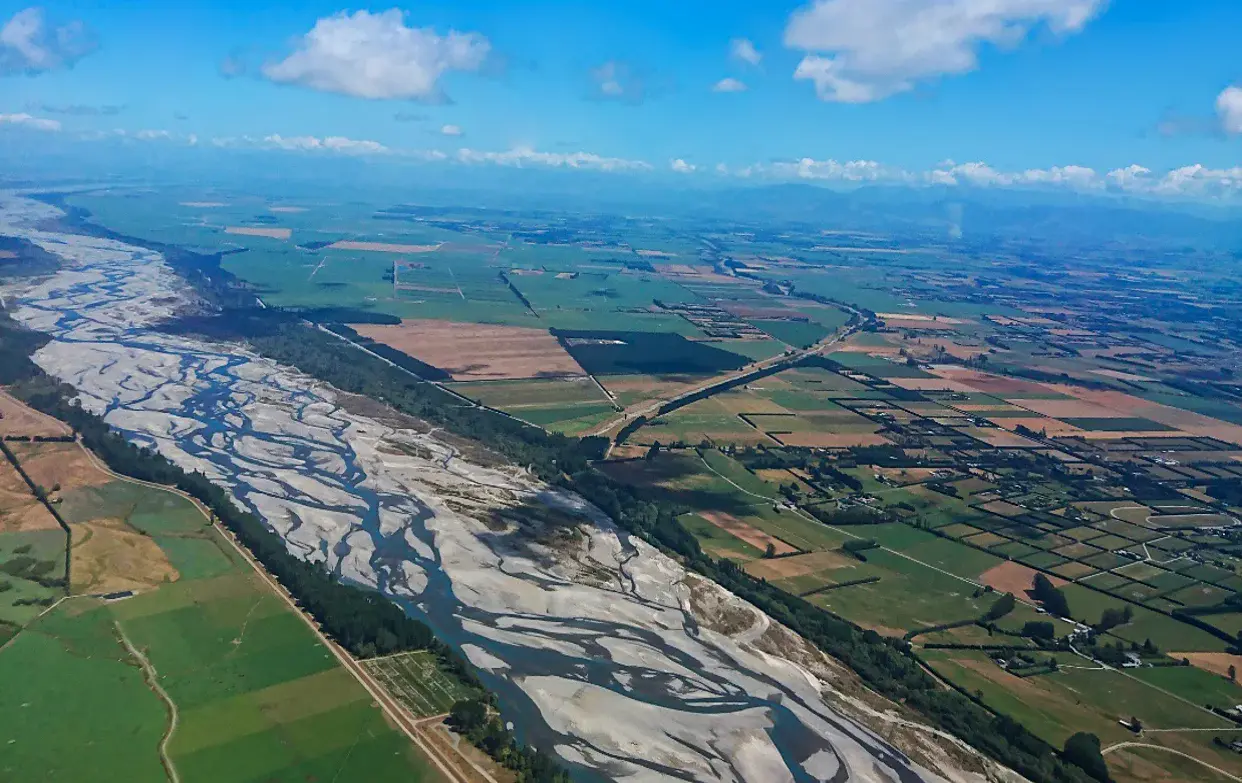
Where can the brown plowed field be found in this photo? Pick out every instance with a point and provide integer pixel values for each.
(1011, 577)
(476, 352)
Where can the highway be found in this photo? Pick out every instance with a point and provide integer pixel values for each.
(721, 382)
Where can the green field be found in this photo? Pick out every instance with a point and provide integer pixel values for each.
(258, 696)
(415, 680)
(718, 542)
(1053, 706)
(799, 334)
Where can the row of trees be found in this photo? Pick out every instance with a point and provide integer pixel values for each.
(362, 621)
(886, 666)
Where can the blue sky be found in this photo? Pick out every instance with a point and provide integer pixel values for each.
(901, 86)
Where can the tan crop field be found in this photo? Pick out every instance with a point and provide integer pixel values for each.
(751, 535)
(63, 465)
(20, 511)
(798, 565)
(108, 556)
(1011, 577)
(478, 352)
(18, 419)
(251, 231)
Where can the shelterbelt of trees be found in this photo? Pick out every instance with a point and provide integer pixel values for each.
(361, 621)
(885, 665)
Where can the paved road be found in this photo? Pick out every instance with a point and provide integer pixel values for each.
(649, 407)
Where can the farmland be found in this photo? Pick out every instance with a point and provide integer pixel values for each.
(954, 424)
(255, 692)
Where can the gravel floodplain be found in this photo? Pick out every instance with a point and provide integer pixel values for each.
(599, 646)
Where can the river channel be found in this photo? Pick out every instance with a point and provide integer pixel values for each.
(598, 654)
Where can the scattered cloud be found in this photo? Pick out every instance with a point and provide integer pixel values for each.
(27, 121)
(77, 109)
(410, 116)
(616, 80)
(859, 51)
(526, 156)
(809, 168)
(29, 45)
(729, 85)
(742, 50)
(234, 66)
(1229, 109)
(377, 56)
(681, 167)
(451, 130)
(327, 144)
(152, 135)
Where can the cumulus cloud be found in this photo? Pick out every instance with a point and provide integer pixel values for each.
(327, 144)
(681, 167)
(729, 85)
(451, 130)
(742, 50)
(377, 56)
(616, 80)
(26, 121)
(1229, 109)
(809, 168)
(1132, 177)
(526, 156)
(30, 45)
(152, 135)
(858, 51)
(1199, 180)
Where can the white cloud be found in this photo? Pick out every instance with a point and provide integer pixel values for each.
(729, 85)
(27, 121)
(327, 144)
(377, 56)
(152, 135)
(1132, 177)
(858, 51)
(1079, 177)
(451, 130)
(523, 156)
(681, 167)
(1229, 109)
(1199, 180)
(742, 50)
(617, 81)
(850, 171)
(28, 44)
